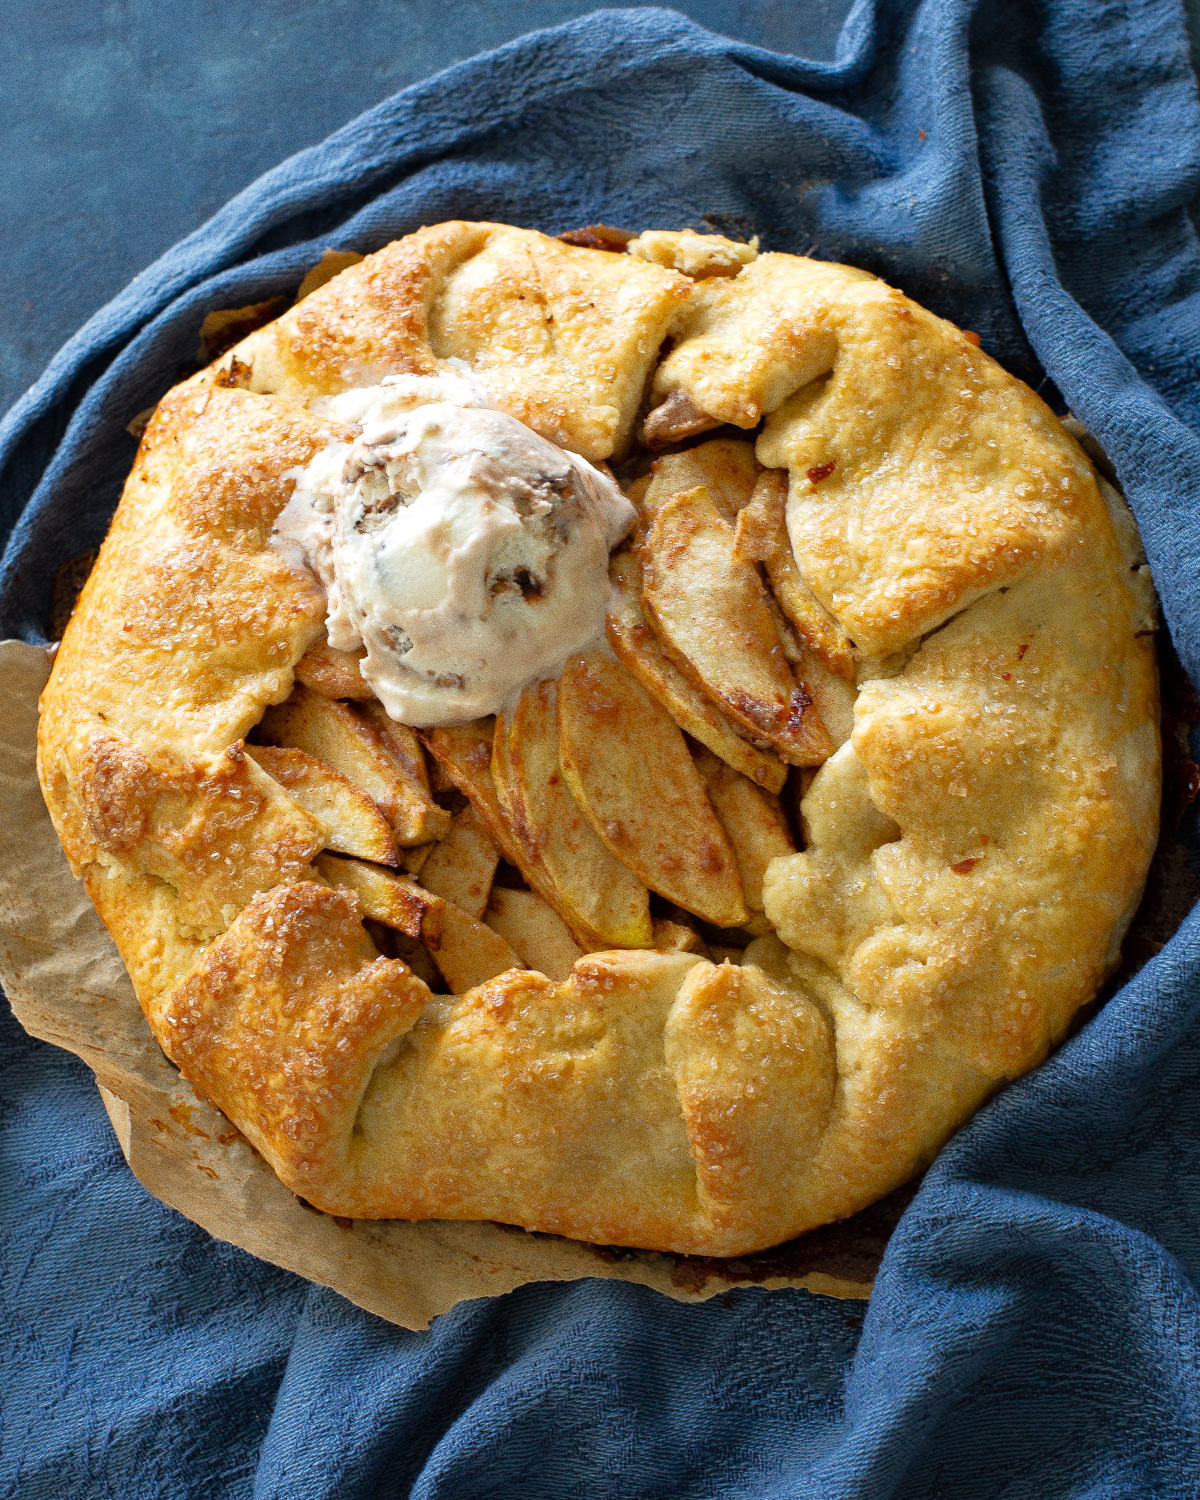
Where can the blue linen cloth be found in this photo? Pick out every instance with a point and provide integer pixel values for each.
(1024, 168)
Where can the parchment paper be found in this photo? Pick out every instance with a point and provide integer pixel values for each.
(67, 985)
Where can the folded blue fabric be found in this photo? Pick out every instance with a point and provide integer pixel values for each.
(1025, 169)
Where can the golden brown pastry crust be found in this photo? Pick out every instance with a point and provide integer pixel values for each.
(974, 851)
(564, 337)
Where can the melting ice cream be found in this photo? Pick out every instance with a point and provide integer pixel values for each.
(466, 553)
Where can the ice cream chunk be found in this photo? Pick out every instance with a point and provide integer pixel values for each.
(466, 553)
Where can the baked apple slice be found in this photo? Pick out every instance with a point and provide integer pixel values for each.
(677, 418)
(752, 819)
(602, 902)
(463, 754)
(677, 937)
(356, 826)
(469, 952)
(533, 929)
(412, 859)
(402, 744)
(762, 537)
(333, 732)
(638, 649)
(462, 866)
(334, 674)
(465, 950)
(709, 610)
(395, 900)
(726, 467)
(627, 764)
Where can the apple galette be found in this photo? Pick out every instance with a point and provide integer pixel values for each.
(631, 737)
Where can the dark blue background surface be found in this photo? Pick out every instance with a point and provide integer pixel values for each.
(1035, 1330)
(127, 123)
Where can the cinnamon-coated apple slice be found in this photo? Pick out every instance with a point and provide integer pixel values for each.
(753, 820)
(334, 674)
(395, 900)
(462, 865)
(602, 902)
(334, 732)
(638, 649)
(402, 745)
(762, 537)
(465, 950)
(463, 754)
(627, 764)
(469, 952)
(726, 467)
(356, 826)
(534, 930)
(709, 609)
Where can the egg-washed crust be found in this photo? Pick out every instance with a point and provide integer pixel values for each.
(564, 338)
(974, 852)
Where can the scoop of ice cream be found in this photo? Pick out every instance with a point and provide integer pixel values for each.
(466, 553)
